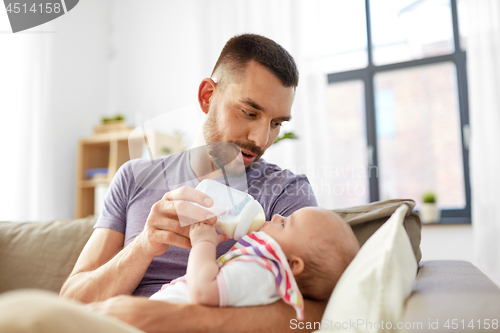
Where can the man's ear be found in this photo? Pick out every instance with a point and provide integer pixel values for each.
(296, 265)
(205, 93)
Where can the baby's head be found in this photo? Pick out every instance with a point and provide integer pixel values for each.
(319, 246)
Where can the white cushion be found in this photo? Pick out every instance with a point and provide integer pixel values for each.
(375, 285)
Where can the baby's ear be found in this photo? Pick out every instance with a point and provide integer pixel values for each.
(296, 265)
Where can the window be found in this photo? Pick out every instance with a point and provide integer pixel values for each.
(398, 99)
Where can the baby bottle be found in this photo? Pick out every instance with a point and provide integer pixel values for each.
(238, 213)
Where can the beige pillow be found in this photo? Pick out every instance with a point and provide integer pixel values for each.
(370, 295)
(366, 219)
(40, 255)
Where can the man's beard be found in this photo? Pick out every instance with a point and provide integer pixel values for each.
(223, 153)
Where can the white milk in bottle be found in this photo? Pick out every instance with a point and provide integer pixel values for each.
(238, 213)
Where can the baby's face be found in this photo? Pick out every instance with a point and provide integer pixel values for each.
(301, 228)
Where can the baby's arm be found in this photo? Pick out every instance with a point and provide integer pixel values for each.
(202, 268)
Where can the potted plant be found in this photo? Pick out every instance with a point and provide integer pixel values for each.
(113, 123)
(286, 135)
(429, 212)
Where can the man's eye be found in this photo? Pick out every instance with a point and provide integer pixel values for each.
(249, 114)
(276, 124)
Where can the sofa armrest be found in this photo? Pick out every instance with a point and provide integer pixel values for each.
(40, 255)
(449, 289)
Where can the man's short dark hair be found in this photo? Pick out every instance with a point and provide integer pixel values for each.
(240, 49)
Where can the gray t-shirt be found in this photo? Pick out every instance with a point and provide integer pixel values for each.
(129, 200)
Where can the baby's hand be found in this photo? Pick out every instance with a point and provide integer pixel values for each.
(201, 232)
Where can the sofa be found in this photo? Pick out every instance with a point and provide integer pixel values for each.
(446, 296)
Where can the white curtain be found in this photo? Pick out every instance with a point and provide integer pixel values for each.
(483, 61)
(295, 26)
(23, 61)
(53, 89)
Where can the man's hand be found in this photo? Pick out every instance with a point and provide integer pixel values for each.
(163, 227)
(202, 232)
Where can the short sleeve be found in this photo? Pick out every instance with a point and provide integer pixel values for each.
(114, 210)
(296, 195)
(246, 283)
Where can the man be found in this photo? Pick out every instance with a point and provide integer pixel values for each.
(139, 243)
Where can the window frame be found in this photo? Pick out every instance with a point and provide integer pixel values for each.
(367, 74)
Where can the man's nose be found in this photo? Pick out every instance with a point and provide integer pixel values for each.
(259, 135)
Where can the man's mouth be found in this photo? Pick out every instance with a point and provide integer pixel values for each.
(248, 157)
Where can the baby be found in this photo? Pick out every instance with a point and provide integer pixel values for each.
(302, 255)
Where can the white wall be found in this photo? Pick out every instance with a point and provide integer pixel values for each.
(450, 242)
(156, 67)
(447, 242)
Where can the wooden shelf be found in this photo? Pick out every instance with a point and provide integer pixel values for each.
(92, 182)
(111, 150)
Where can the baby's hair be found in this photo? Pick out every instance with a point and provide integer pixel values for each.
(326, 259)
